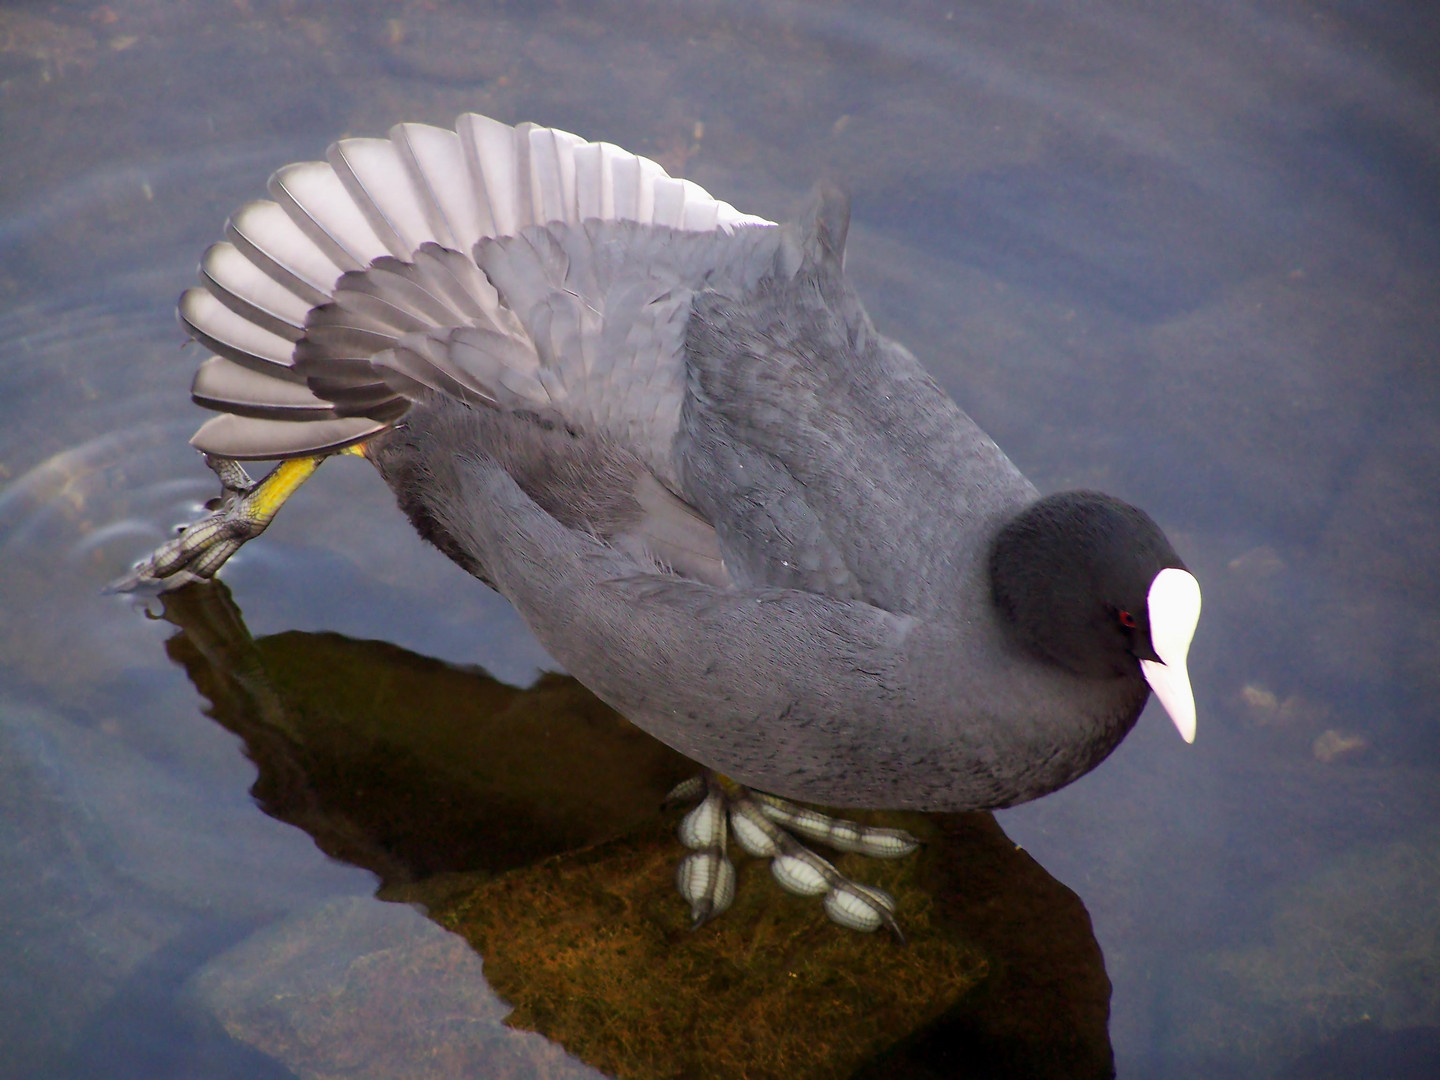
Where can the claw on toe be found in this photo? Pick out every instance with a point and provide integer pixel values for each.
(762, 825)
(705, 877)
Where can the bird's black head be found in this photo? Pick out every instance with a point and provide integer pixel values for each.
(1090, 583)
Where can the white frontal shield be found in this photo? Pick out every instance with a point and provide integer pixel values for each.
(1174, 604)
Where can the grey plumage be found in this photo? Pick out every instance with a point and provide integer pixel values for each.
(672, 437)
(852, 503)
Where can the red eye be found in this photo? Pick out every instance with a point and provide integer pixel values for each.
(1127, 620)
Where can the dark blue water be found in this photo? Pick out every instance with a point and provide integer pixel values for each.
(1186, 254)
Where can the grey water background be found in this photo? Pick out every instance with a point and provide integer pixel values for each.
(1184, 253)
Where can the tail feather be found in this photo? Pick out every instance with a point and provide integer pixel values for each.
(314, 198)
(228, 334)
(490, 153)
(594, 184)
(374, 173)
(251, 293)
(625, 190)
(552, 175)
(265, 235)
(436, 163)
(225, 385)
(700, 214)
(231, 435)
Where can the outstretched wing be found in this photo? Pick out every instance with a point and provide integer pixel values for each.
(374, 252)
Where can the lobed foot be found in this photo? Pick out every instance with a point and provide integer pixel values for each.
(763, 825)
(242, 512)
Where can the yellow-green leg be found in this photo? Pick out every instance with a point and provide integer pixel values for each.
(243, 511)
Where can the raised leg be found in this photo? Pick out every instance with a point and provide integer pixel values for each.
(763, 825)
(242, 512)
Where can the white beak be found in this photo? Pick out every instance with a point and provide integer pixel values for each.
(1174, 604)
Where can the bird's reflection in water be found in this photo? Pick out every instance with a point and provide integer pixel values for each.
(529, 821)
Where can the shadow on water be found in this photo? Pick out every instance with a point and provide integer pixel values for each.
(529, 821)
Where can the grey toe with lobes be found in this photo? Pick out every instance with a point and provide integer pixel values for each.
(670, 435)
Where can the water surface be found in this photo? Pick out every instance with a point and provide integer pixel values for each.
(1187, 255)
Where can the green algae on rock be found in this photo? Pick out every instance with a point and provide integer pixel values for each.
(594, 951)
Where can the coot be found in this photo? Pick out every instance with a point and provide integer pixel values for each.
(670, 435)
